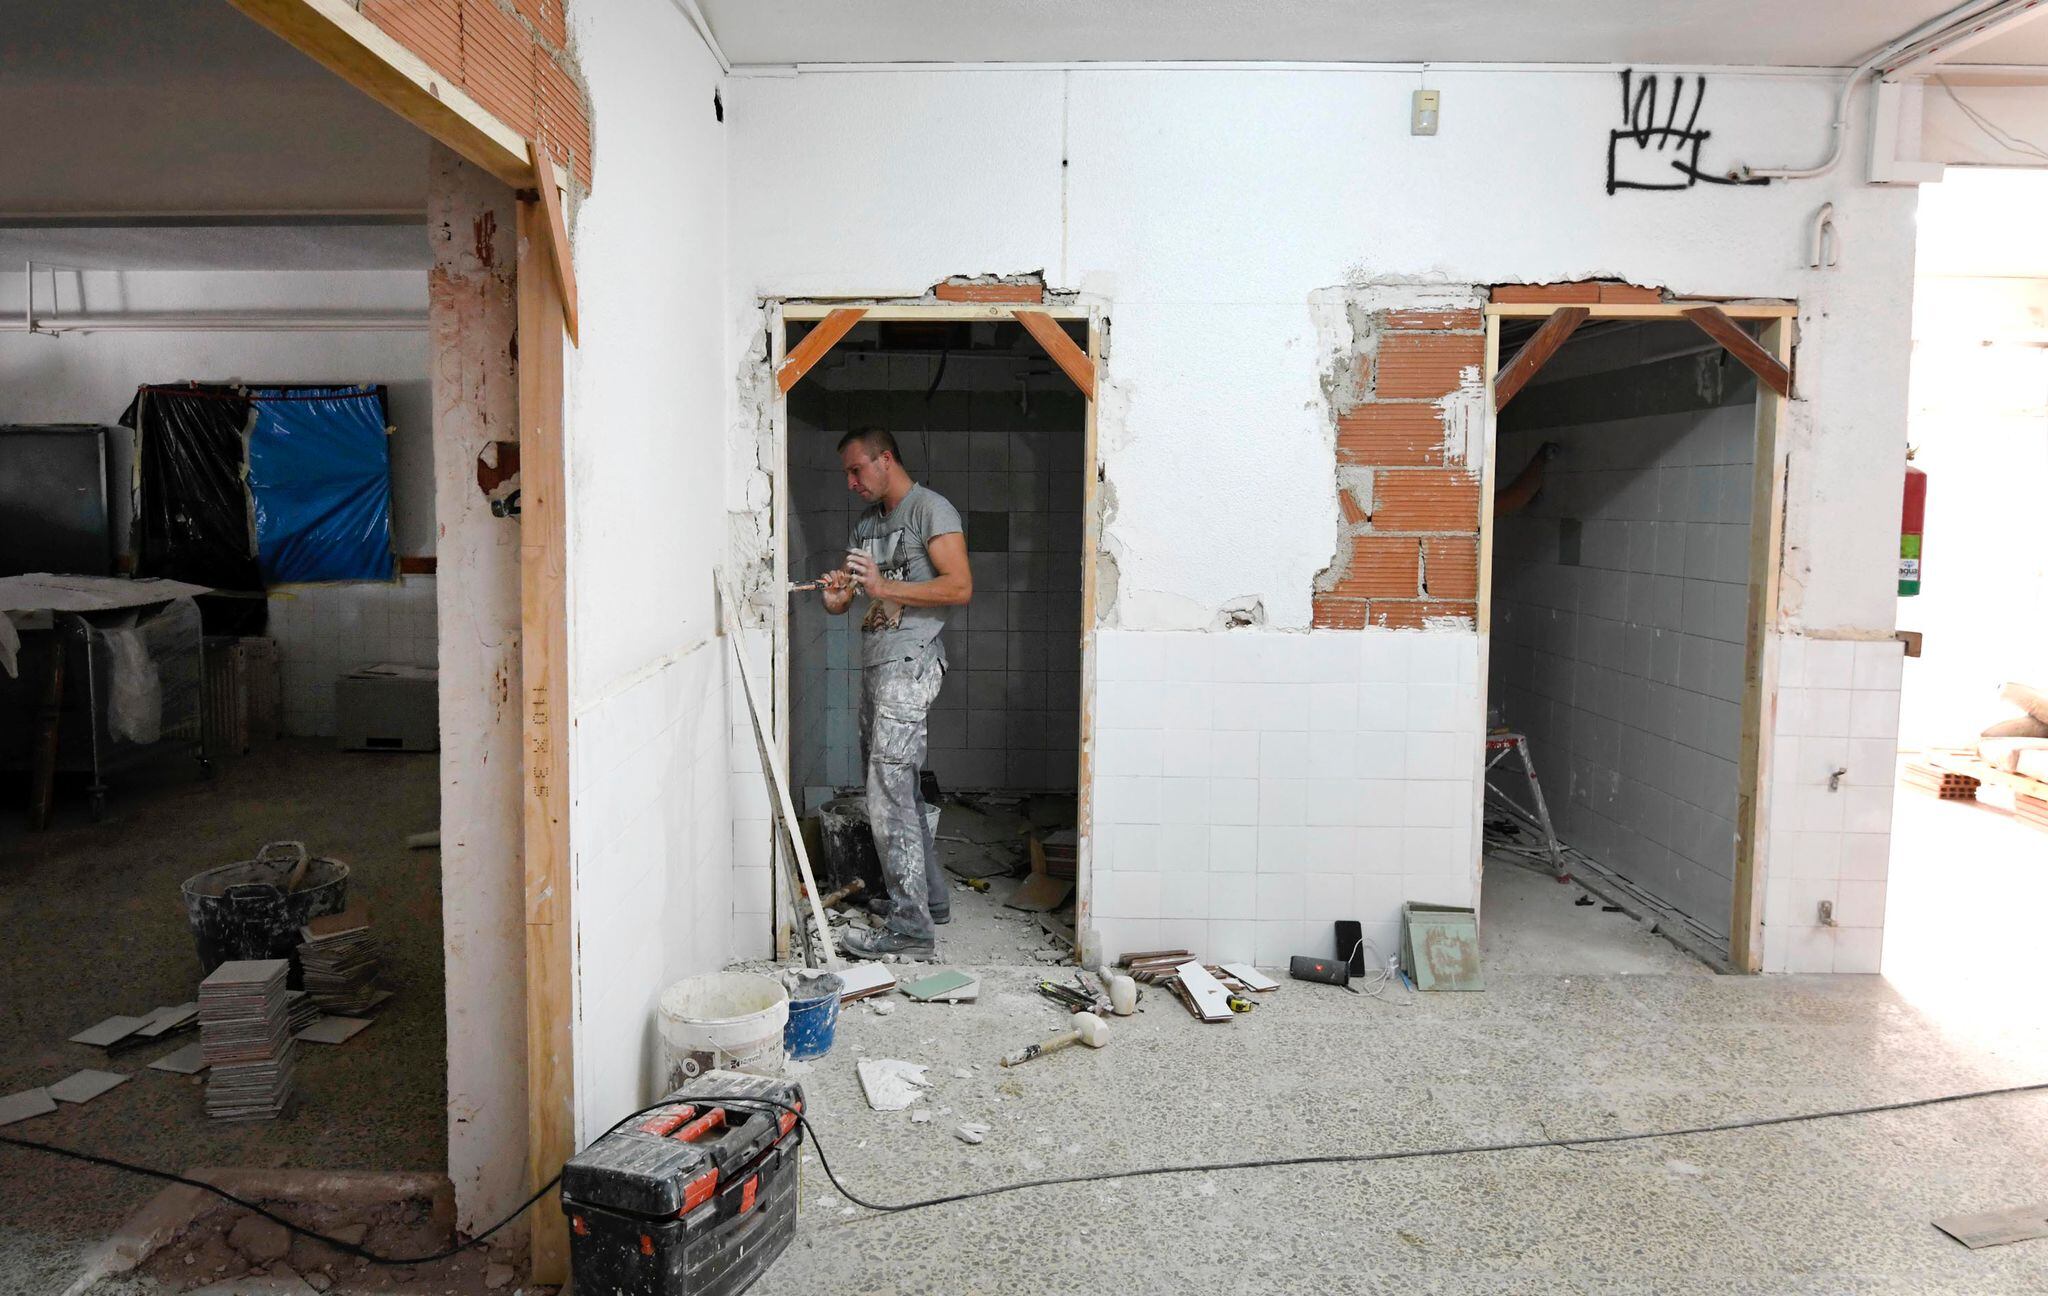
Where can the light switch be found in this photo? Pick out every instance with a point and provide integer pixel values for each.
(1423, 112)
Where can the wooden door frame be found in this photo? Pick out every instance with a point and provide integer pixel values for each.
(336, 35)
(1779, 320)
(784, 312)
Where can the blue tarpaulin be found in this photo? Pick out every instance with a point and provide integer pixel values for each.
(320, 475)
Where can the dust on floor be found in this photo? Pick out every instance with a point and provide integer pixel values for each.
(97, 929)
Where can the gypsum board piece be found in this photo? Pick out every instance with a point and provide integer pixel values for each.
(772, 768)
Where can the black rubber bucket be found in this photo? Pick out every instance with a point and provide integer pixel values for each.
(254, 909)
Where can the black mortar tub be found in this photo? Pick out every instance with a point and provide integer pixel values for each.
(254, 909)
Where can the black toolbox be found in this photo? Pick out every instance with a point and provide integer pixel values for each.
(695, 1198)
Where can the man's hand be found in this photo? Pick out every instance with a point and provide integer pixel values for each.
(865, 575)
(836, 588)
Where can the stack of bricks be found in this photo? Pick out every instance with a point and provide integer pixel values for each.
(1408, 542)
(511, 56)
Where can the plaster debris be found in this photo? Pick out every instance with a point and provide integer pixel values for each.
(962, 1073)
(920, 1116)
(882, 1007)
(891, 1085)
(260, 1240)
(971, 1133)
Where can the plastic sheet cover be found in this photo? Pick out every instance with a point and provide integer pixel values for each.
(193, 522)
(320, 476)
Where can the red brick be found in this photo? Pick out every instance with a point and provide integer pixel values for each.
(1435, 321)
(988, 292)
(1382, 567)
(497, 64)
(564, 126)
(1450, 567)
(1426, 499)
(1335, 612)
(1353, 511)
(1394, 435)
(1425, 366)
(1585, 294)
(431, 29)
(1420, 613)
(548, 17)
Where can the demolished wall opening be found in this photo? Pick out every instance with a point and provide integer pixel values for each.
(991, 422)
(1620, 615)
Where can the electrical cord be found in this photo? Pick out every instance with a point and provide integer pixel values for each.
(756, 1102)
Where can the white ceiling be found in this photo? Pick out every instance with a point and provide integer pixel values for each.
(1825, 33)
(186, 106)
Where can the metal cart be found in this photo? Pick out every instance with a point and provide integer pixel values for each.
(131, 691)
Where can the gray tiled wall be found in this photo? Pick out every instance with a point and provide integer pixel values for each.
(1623, 663)
(1003, 441)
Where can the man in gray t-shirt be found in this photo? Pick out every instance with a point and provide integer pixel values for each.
(908, 556)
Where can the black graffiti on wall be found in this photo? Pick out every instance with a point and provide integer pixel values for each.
(1654, 149)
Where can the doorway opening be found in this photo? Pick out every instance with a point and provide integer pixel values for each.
(1621, 620)
(984, 417)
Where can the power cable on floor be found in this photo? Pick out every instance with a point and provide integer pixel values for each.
(1207, 1167)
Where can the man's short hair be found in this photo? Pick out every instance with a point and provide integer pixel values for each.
(875, 441)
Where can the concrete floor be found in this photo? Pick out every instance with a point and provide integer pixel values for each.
(96, 928)
(1828, 1207)
(1530, 922)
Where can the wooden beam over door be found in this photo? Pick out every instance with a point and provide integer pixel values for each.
(1071, 359)
(815, 344)
(1536, 353)
(1767, 367)
(358, 51)
(544, 681)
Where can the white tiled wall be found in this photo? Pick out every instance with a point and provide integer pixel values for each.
(1253, 787)
(323, 630)
(1623, 661)
(650, 841)
(1837, 709)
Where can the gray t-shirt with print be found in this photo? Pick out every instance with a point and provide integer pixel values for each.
(898, 540)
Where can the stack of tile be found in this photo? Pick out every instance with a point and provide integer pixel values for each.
(340, 962)
(245, 1040)
(300, 1010)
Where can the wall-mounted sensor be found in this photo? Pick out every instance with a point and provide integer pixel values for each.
(1423, 112)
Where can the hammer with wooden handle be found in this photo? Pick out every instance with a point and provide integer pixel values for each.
(1088, 1029)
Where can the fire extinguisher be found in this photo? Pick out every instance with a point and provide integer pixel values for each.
(1911, 524)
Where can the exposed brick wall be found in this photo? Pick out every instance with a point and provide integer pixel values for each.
(511, 56)
(1408, 544)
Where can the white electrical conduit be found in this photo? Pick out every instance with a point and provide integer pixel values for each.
(1840, 126)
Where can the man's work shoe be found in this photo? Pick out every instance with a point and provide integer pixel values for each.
(882, 944)
(881, 906)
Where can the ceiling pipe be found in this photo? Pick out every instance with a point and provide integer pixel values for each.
(204, 323)
(697, 19)
(1839, 127)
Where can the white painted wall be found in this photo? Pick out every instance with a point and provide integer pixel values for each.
(648, 394)
(321, 630)
(1203, 209)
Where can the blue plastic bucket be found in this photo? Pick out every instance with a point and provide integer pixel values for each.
(813, 1014)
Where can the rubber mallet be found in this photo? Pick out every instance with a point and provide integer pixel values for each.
(1088, 1029)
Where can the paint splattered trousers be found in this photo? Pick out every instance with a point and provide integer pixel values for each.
(894, 698)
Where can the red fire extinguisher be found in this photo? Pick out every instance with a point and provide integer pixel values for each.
(1911, 524)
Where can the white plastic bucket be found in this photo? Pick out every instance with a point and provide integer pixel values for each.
(722, 1021)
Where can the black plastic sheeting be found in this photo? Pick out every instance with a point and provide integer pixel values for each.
(192, 523)
(192, 519)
